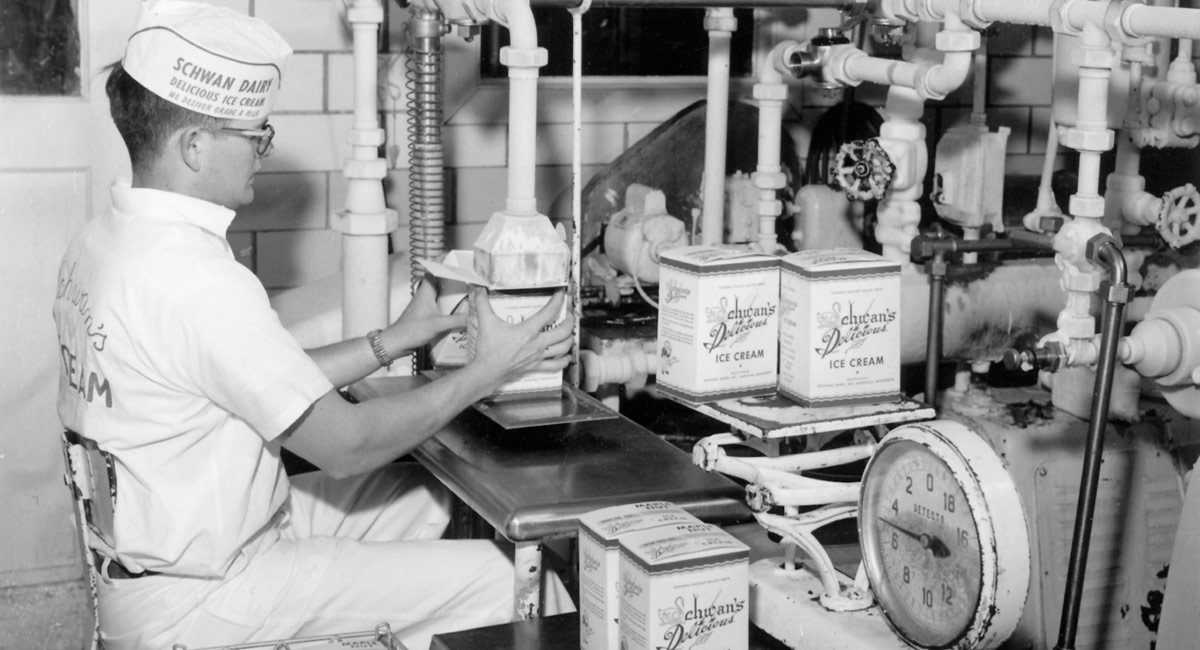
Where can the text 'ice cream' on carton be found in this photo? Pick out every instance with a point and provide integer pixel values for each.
(511, 305)
(684, 587)
(718, 323)
(839, 327)
(599, 532)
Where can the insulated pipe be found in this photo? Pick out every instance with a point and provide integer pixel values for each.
(1091, 137)
(771, 93)
(720, 24)
(931, 81)
(523, 58)
(366, 221)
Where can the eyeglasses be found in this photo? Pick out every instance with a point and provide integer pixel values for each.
(260, 137)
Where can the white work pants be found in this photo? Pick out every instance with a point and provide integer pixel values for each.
(321, 571)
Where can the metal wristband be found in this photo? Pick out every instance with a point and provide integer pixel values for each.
(381, 354)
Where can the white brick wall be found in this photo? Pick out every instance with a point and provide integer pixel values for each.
(283, 235)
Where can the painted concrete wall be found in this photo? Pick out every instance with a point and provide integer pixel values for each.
(284, 236)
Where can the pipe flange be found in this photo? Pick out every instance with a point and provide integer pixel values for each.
(719, 23)
(1058, 18)
(1114, 21)
(971, 17)
(925, 70)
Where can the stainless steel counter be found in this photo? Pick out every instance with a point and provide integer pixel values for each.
(535, 482)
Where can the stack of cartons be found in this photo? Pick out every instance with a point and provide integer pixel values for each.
(599, 532)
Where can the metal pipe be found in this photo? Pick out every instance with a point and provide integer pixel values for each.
(1114, 311)
(933, 347)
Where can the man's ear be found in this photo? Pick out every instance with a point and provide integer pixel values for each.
(191, 145)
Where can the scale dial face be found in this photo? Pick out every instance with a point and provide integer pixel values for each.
(928, 524)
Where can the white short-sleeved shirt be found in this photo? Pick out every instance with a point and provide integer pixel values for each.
(173, 361)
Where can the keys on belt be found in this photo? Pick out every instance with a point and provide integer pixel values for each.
(115, 570)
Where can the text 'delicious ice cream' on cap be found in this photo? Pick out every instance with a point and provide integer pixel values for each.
(212, 60)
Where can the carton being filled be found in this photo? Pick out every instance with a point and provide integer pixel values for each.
(684, 587)
(599, 534)
(718, 323)
(510, 305)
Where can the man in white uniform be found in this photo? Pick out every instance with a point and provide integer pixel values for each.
(175, 365)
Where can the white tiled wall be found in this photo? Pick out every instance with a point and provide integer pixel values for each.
(284, 234)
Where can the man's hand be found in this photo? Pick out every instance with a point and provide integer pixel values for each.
(420, 322)
(508, 350)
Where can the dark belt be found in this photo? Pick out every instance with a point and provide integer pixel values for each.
(116, 570)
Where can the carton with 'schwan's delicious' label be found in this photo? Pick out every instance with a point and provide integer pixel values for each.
(718, 323)
(684, 587)
(599, 532)
(839, 327)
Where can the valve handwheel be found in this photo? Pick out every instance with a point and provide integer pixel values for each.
(863, 170)
(1177, 216)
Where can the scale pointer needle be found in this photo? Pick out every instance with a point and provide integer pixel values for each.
(931, 542)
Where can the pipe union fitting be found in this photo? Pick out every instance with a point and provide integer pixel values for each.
(957, 41)
(364, 224)
(720, 23)
(1093, 57)
(971, 17)
(771, 92)
(365, 137)
(515, 57)
(1092, 248)
(1058, 18)
(1086, 206)
(770, 208)
(374, 169)
(1114, 23)
(770, 180)
(358, 14)
(1087, 139)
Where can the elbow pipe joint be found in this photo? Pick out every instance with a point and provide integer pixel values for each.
(1103, 248)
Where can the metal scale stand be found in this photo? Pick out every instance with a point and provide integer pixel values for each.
(803, 599)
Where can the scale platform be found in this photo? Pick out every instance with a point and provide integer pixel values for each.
(775, 416)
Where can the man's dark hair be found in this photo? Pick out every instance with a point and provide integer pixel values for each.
(144, 119)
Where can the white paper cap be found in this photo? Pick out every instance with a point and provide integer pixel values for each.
(212, 60)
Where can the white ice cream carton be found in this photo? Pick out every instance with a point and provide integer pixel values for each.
(839, 328)
(684, 587)
(718, 323)
(599, 532)
(511, 305)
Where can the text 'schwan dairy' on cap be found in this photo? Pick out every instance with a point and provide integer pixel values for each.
(212, 60)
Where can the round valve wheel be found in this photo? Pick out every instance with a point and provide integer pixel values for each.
(1177, 217)
(862, 170)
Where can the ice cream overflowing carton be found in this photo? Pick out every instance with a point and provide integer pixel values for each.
(718, 323)
(839, 329)
(599, 532)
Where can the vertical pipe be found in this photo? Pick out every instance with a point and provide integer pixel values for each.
(366, 222)
(720, 24)
(933, 344)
